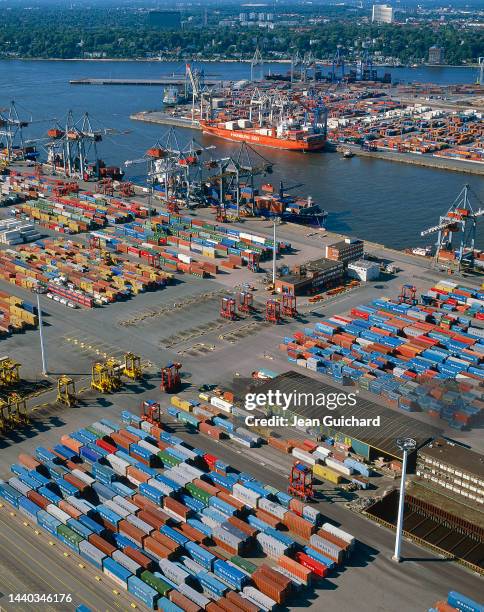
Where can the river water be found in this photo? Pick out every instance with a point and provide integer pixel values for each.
(374, 199)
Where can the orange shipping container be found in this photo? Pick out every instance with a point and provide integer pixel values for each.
(301, 572)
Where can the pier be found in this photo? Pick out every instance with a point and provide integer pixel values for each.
(166, 119)
(163, 81)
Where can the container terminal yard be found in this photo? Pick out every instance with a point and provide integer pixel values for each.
(136, 322)
(425, 125)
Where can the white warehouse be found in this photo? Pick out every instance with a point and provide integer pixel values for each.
(364, 270)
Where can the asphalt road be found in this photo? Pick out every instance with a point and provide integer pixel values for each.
(30, 564)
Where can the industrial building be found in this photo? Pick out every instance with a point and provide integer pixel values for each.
(454, 468)
(311, 277)
(165, 20)
(364, 270)
(436, 55)
(347, 250)
(382, 13)
(368, 441)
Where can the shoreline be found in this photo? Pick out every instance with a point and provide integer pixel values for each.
(215, 61)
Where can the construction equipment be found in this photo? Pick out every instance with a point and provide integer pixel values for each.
(132, 366)
(170, 378)
(273, 311)
(301, 481)
(16, 408)
(408, 295)
(289, 305)
(227, 308)
(9, 372)
(151, 412)
(460, 217)
(105, 377)
(246, 301)
(66, 391)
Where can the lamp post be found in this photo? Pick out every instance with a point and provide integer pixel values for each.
(38, 290)
(406, 445)
(274, 255)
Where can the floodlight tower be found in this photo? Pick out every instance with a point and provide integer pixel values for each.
(406, 445)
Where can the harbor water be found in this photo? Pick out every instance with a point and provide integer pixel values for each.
(378, 200)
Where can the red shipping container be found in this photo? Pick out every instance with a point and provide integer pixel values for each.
(230, 499)
(38, 499)
(194, 534)
(227, 605)
(301, 572)
(155, 518)
(106, 446)
(128, 529)
(143, 502)
(243, 526)
(177, 507)
(102, 544)
(183, 602)
(137, 474)
(146, 562)
(296, 506)
(225, 546)
(275, 576)
(299, 525)
(213, 607)
(269, 587)
(76, 482)
(241, 602)
(272, 520)
(167, 542)
(157, 549)
(69, 509)
(319, 569)
(28, 461)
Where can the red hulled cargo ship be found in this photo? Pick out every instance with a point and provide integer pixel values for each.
(286, 135)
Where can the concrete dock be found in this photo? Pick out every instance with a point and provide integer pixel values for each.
(167, 80)
(166, 119)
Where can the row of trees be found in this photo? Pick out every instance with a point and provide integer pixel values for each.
(74, 33)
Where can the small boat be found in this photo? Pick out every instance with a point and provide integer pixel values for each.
(348, 154)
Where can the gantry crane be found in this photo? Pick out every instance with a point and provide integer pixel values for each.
(460, 217)
(105, 376)
(170, 378)
(289, 308)
(132, 366)
(227, 308)
(12, 136)
(246, 302)
(408, 295)
(301, 482)
(338, 63)
(66, 391)
(9, 372)
(16, 411)
(273, 311)
(151, 412)
(256, 61)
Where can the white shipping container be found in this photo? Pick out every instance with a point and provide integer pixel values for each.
(222, 404)
(193, 565)
(161, 486)
(194, 596)
(59, 514)
(173, 572)
(338, 466)
(258, 598)
(144, 425)
(81, 505)
(149, 447)
(83, 476)
(137, 522)
(245, 495)
(117, 580)
(271, 507)
(119, 465)
(304, 456)
(117, 508)
(20, 486)
(126, 504)
(339, 533)
(323, 451)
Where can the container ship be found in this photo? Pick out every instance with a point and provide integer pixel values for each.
(289, 134)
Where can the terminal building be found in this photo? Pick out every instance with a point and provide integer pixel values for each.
(311, 277)
(347, 250)
(436, 55)
(369, 441)
(452, 468)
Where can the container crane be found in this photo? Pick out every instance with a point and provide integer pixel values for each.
(11, 129)
(460, 218)
(151, 412)
(289, 308)
(254, 63)
(273, 311)
(227, 308)
(408, 295)
(170, 378)
(66, 391)
(301, 482)
(338, 63)
(132, 366)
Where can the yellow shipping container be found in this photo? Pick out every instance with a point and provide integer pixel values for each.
(204, 397)
(328, 474)
(186, 406)
(176, 401)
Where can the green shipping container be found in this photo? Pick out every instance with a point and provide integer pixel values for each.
(70, 535)
(198, 493)
(94, 432)
(243, 564)
(168, 460)
(155, 583)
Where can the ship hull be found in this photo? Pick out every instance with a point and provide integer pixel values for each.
(315, 144)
